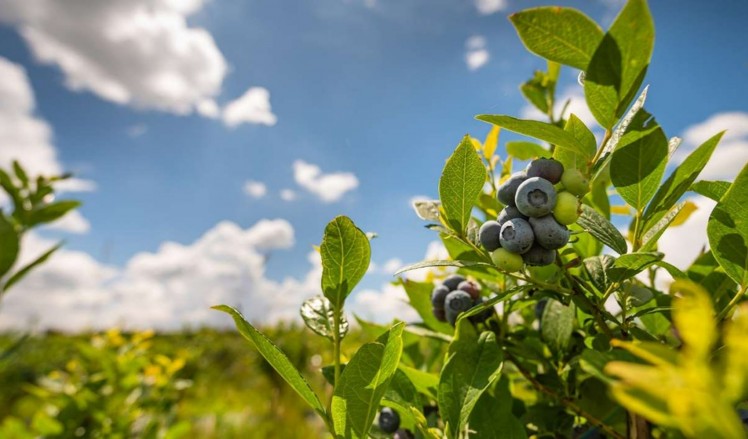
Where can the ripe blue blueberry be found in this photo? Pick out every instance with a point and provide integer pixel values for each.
(438, 295)
(536, 197)
(389, 420)
(549, 233)
(403, 434)
(549, 169)
(451, 282)
(538, 255)
(471, 288)
(506, 192)
(489, 235)
(517, 236)
(457, 301)
(440, 314)
(509, 212)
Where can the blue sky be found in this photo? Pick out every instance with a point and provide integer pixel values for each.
(377, 89)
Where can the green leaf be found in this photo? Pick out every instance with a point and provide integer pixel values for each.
(492, 416)
(564, 35)
(711, 189)
(586, 139)
(425, 382)
(12, 191)
(534, 91)
(319, 316)
(345, 255)
(619, 63)
(636, 167)
(9, 244)
(20, 173)
(276, 358)
(419, 295)
(539, 130)
(364, 382)
(20, 274)
(443, 263)
(526, 150)
(628, 266)
(597, 268)
(599, 227)
(51, 212)
(679, 181)
(649, 240)
(460, 184)
(727, 230)
(473, 364)
(402, 391)
(557, 324)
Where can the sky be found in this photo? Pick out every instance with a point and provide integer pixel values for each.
(212, 140)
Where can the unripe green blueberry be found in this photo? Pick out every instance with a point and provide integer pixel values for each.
(438, 295)
(506, 260)
(575, 182)
(549, 169)
(545, 273)
(567, 208)
(452, 281)
(535, 197)
(538, 255)
(509, 212)
(507, 191)
(549, 233)
(389, 420)
(489, 235)
(457, 301)
(471, 288)
(517, 236)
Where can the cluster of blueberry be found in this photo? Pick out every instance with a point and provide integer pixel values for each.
(532, 226)
(389, 422)
(455, 295)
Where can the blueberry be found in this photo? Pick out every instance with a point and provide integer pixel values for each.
(506, 192)
(517, 236)
(451, 282)
(438, 295)
(509, 212)
(575, 182)
(489, 235)
(457, 301)
(403, 434)
(506, 260)
(549, 169)
(536, 197)
(471, 288)
(540, 307)
(440, 314)
(549, 233)
(567, 208)
(389, 420)
(538, 255)
(743, 414)
(482, 316)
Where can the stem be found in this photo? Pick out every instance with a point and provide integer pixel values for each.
(734, 301)
(637, 223)
(336, 344)
(606, 137)
(565, 401)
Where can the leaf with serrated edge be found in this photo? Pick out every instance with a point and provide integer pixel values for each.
(364, 382)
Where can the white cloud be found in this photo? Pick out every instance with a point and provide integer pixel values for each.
(287, 195)
(577, 106)
(487, 7)
(137, 52)
(255, 189)
(252, 107)
(169, 289)
(72, 222)
(208, 108)
(383, 305)
(476, 54)
(137, 130)
(392, 265)
(731, 153)
(23, 136)
(328, 187)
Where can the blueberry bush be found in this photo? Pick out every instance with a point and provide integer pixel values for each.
(547, 320)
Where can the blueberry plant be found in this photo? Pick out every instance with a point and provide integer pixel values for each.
(546, 320)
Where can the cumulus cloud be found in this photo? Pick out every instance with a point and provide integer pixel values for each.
(328, 187)
(487, 7)
(137, 130)
(476, 54)
(731, 153)
(72, 222)
(168, 289)
(255, 189)
(252, 107)
(287, 195)
(24, 136)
